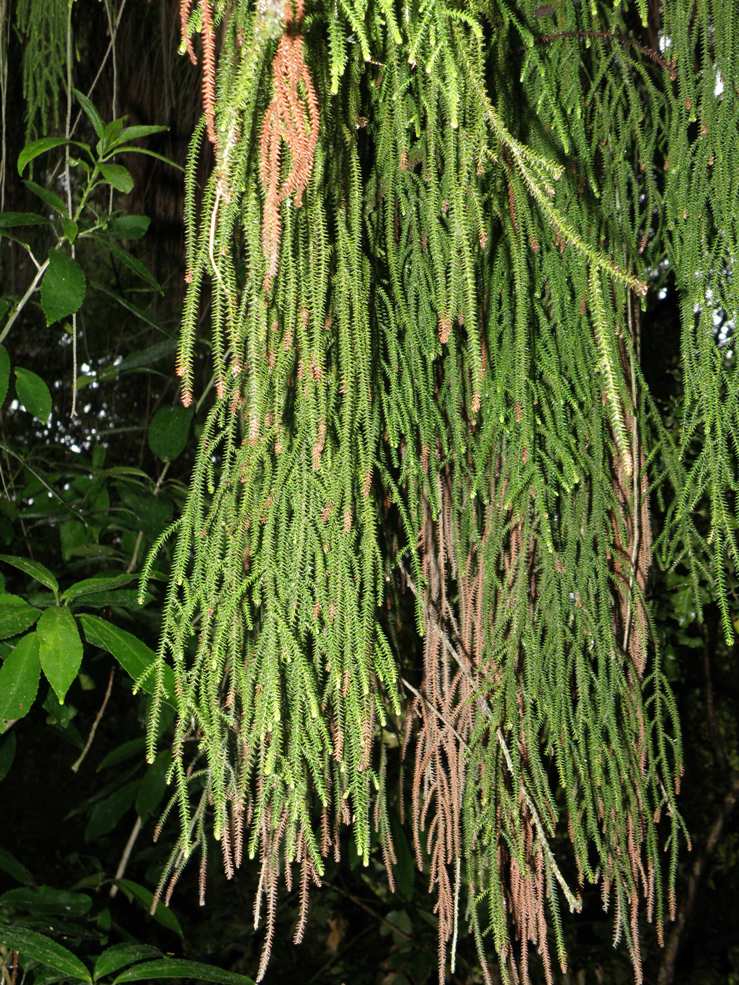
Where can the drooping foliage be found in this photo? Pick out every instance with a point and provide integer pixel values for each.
(423, 242)
(42, 26)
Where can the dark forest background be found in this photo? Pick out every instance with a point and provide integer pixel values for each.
(87, 495)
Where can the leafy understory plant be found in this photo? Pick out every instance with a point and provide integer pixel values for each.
(69, 223)
(52, 962)
(424, 271)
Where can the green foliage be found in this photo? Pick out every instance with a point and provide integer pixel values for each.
(19, 676)
(38, 950)
(168, 431)
(63, 287)
(444, 324)
(33, 393)
(430, 402)
(43, 26)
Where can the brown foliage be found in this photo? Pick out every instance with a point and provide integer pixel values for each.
(292, 119)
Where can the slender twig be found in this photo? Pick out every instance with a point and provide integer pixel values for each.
(434, 709)
(68, 189)
(98, 718)
(126, 856)
(24, 300)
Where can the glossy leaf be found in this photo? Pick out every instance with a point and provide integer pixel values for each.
(163, 915)
(153, 786)
(133, 264)
(132, 149)
(14, 220)
(129, 226)
(34, 569)
(179, 968)
(91, 113)
(45, 899)
(60, 648)
(99, 583)
(16, 615)
(121, 955)
(119, 177)
(139, 131)
(106, 814)
(63, 288)
(36, 148)
(134, 656)
(33, 393)
(168, 431)
(49, 197)
(19, 677)
(44, 950)
(10, 865)
(123, 752)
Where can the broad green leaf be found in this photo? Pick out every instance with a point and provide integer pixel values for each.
(60, 648)
(168, 431)
(112, 371)
(134, 656)
(37, 147)
(63, 288)
(49, 197)
(112, 132)
(45, 899)
(71, 229)
(121, 955)
(123, 752)
(179, 968)
(147, 357)
(4, 373)
(13, 220)
(107, 813)
(33, 393)
(162, 914)
(91, 113)
(7, 755)
(133, 264)
(73, 534)
(47, 976)
(90, 586)
(45, 951)
(34, 569)
(16, 616)
(129, 226)
(119, 177)
(150, 513)
(137, 132)
(132, 149)
(19, 677)
(10, 865)
(153, 785)
(122, 598)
